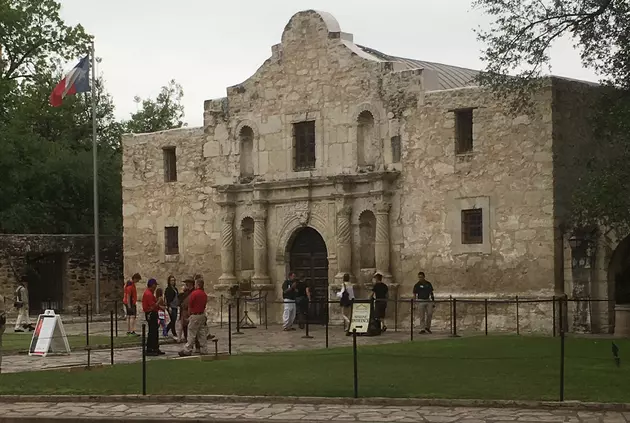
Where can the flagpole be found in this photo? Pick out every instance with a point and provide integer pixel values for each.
(97, 270)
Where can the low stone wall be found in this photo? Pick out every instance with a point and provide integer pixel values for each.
(74, 255)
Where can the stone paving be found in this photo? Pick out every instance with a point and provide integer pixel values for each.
(303, 412)
(251, 341)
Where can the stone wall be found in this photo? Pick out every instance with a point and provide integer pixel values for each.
(76, 254)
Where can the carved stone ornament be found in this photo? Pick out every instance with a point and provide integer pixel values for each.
(345, 211)
(383, 207)
(228, 217)
(303, 216)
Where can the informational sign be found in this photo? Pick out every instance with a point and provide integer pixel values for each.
(49, 336)
(361, 314)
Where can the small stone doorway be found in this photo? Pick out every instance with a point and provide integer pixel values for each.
(309, 257)
(45, 281)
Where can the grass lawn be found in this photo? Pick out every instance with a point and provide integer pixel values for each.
(20, 342)
(505, 367)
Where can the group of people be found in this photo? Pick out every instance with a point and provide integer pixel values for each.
(296, 295)
(185, 312)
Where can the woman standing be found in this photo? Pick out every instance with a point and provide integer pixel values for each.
(171, 295)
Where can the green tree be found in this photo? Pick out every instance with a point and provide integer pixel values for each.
(165, 112)
(517, 57)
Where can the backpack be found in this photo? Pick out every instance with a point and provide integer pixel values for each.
(18, 303)
(345, 299)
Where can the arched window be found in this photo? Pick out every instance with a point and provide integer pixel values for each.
(247, 146)
(366, 150)
(247, 244)
(367, 235)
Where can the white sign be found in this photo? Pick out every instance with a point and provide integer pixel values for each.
(360, 320)
(49, 336)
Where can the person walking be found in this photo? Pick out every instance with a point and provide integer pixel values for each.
(302, 301)
(422, 292)
(150, 308)
(130, 300)
(380, 292)
(198, 321)
(288, 298)
(171, 295)
(3, 322)
(23, 321)
(346, 297)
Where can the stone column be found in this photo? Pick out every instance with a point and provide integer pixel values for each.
(227, 277)
(344, 244)
(260, 248)
(381, 244)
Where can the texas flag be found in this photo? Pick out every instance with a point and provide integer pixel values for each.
(76, 81)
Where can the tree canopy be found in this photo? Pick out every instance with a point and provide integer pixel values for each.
(46, 152)
(517, 57)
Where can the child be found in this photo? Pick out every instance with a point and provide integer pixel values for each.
(159, 295)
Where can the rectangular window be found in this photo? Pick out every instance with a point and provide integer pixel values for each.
(396, 149)
(463, 131)
(170, 164)
(304, 145)
(171, 240)
(472, 226)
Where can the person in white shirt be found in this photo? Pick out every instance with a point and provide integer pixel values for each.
(23, 321)
(346, 296)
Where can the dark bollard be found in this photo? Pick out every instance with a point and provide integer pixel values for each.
(144, 359)
(116, 317)
(411, 318)
(307, 336)
(238, 316)
(266, 319)
(87, 326)
(561, 349)
(518, 327)
(221, 313)
(454, 335)
(450, 311)
(230, 328)
(485, 311)
(553, 314)
(327, 320)
(216, 348)
(396, 315)
(354, 357)
(111, 335)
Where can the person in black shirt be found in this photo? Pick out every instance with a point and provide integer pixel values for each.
(302, 299)
(288, 296)
(171, 297)
(422, 293)
(379, 293)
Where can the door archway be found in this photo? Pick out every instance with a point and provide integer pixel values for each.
(308, 257)
(619, 272)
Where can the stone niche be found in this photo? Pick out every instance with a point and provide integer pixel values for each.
(59, 270)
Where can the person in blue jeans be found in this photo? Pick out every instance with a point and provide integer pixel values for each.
(171, 297)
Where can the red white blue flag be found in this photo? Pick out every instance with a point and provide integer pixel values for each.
(76, 81)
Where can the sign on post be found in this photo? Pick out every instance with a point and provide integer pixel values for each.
(49, 336)
(361, 315)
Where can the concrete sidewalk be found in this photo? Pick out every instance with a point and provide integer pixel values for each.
(293, 411)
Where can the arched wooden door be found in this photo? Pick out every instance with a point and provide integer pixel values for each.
(309, 258)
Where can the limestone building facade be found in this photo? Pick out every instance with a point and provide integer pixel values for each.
(335, 158)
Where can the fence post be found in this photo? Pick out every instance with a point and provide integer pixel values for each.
(553, 313)
(87, 326)
(116, 317)
(221, 312)
(111, 335)
(266, 316)
(230, 328)
(396, 314)
(327, 319)
(485, 312)
(450, 311)
(454, 334)
(238, 316)
(144, 359)
(561, 349)
(354, 358)
(411, 318)
(518, 328)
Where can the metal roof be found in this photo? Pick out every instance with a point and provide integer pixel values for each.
(448, 76)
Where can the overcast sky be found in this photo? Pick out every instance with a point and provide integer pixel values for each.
(208, 45)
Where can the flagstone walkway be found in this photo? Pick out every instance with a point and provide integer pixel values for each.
(251, 341)
(264, 412)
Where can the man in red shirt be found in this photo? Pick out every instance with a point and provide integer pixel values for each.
(150, 308)
(197, 324)
(130, 298)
